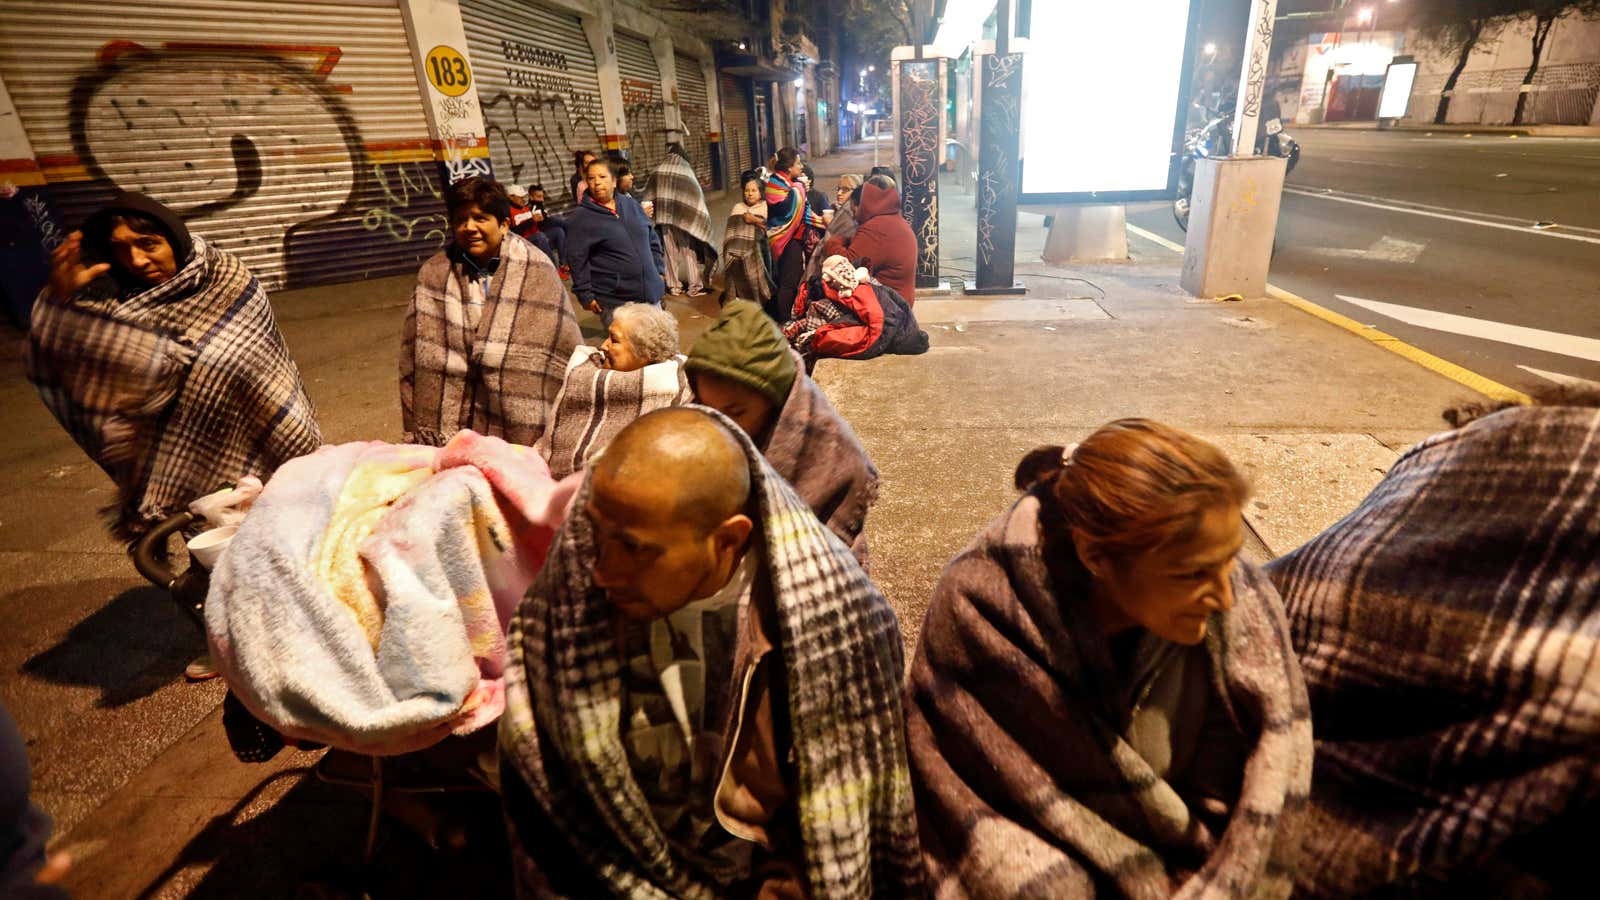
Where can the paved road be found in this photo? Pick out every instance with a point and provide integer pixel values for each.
(1481, 249)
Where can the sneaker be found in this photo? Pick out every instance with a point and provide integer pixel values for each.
(200, 670)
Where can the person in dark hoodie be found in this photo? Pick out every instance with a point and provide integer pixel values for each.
(883, 243)
(612, 248)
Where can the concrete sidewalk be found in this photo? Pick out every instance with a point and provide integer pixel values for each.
(136, 767)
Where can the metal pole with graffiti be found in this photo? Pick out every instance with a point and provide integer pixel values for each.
(1253, 76)
(999, 136)
(445, 76)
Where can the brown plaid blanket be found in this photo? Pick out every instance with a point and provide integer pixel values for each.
(1026, 785)
(569, 792)
(595, 404)
(176, 391)
(1448, 631)
(814, 448)
(681, 204)
(501, 379)
(746, 262)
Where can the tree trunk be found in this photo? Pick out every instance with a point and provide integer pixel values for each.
(1541, 32)
(1467, 45)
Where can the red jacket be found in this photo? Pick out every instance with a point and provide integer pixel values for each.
(884, 242)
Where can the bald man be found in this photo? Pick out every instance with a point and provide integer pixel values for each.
(675, 723)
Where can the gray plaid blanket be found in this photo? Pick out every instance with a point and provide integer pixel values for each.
(595, 404)
(681, 204)
(569, 792)
(1026, 785)
(842, 228)
(817, 452)
(500, 379)
(176, 391)
(746, 262)
(1447, 628)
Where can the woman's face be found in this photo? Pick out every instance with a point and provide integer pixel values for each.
(1173, 590)
(587, 158)
(619, 352)
(842, 192)
(752, 193)
(798, 169)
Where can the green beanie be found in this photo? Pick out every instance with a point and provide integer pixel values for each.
(745, 346)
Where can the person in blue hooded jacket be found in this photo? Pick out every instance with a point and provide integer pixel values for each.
(612, 249)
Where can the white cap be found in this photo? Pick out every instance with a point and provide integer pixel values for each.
(516, 190)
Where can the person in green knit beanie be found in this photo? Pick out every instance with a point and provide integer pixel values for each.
(744, 368)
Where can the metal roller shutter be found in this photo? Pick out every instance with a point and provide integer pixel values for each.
(643, 103)
(694, 106)
(736, 126)
(289, 134)
(539, 90)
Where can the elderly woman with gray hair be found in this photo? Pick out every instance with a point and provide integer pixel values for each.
(638, 369)
(846, 197)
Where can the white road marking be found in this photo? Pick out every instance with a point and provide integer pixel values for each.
(1386, 249)
(1558, 378)
(1372, 162)
(1517, 335)
(1325, 194)
(1154, 238)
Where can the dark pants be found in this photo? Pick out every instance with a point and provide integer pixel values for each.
(791, 265)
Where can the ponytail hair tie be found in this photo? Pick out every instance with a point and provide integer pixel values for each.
(1067, 453)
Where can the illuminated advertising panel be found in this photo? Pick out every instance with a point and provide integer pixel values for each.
(1396, 97)
(1105, 95)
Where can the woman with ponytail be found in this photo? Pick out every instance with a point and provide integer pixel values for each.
(790, 221)
(1104, 697)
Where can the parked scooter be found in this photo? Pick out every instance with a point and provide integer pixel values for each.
(1215, 138)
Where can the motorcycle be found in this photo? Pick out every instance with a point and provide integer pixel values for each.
(1215, 138)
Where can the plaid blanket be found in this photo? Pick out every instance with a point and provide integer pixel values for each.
(569, 791)
(1447, 628)
(1026, 784)
(842, 228)
(746, 262)
(176, 391)
(500, 379)
(681, 204)
(816, 451)
(595, 404)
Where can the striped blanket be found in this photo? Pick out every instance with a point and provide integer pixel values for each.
(681, 204)
(1448, 631)
(788, 214)
(1026, 785)
(595, 404)
(176, 391)
(746, 262)
(500, 377)
(568, 789)
(365, 599)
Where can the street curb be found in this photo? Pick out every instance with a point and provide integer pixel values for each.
(1466, 377)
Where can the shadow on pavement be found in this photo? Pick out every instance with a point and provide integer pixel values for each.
(309, 845)
(129, 648)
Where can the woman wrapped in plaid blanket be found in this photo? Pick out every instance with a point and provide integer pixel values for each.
(1447, 628)
(1104, 698)
(158, 353)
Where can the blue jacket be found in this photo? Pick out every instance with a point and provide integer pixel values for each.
(615, 257)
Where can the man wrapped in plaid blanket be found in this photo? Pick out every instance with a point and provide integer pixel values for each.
(703, 694)
(164, 363)
(1447, 628)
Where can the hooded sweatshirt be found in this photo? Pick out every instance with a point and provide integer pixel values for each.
(98, 227)
(883, 243)
(615, 257)
(746, 347)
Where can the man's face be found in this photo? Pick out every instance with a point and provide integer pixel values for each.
(478, 233)
(749, 409)
(536, 196)
(618, 350)
(1171, 591)
(148, 257)
(601, 184)
(649, 561)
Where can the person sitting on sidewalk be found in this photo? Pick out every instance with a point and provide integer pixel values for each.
(489, 330)
(743, 367)
(612, 248)
(883, 242)
(841, 223)
(843, 314)
(746, 257)
(528, 219)
(1103, 698)
(681, 216)
(1447, 630)
(637, 370)
(675, 726)
(158, 352)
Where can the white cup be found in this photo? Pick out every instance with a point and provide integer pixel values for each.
(206, 548)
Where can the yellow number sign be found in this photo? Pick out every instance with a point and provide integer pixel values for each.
(447, 70)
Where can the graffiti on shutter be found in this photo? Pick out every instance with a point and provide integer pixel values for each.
(642, 103)
(695, 111)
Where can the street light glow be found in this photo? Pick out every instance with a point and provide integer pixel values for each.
(1365, 15)
(872, 68)
(1211, 49)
